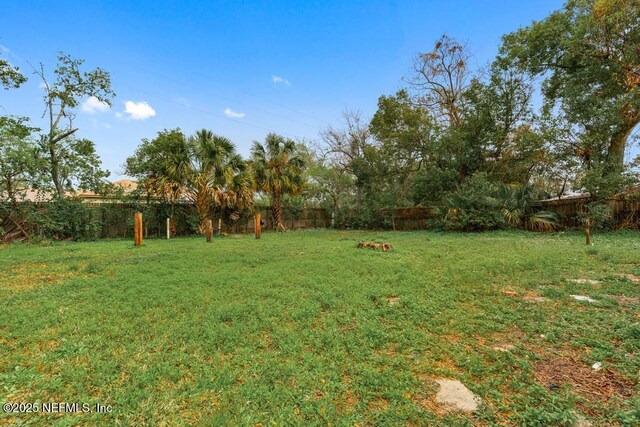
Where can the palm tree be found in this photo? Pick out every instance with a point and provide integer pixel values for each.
(214, 175)
(278, 169)
(518, 210)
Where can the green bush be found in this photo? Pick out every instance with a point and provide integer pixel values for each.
(473, 206)
(64, 219)
(600, 216)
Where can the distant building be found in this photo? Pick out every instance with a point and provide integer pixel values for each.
(127, 185)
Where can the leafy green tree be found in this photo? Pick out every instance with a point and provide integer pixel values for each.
(20, 162)
(501, 133)
(278, 168)
(357, 155)
(78, 164)
(474, 206)
(10, 75)
(161, 165)
(405, 130)
(204, 169)
(588, 53)
(406, 136)
(329, 186)
(67, 157)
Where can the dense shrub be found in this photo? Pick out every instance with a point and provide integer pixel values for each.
(519, 212)
(473, 206)
(432, 183)
(64, 219)
(599, 215)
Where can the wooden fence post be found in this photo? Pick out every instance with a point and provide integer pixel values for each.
(587, 231)
(219, 226)
(137, 229)
(257, 226)
(209, 229)
(168, 228)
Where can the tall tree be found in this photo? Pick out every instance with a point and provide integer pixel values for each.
(62, 96)
(278, 169)
(328, 185)
(203, 169)
(343, 145)
(161, 165)
(589, 54)
(216, 175)
(406, 131)
(358, 155)
(439, 79)
(500, 124)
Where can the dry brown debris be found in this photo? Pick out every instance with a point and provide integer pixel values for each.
(594, 385)
(375, 246)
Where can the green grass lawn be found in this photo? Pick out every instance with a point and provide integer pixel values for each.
(297, 329)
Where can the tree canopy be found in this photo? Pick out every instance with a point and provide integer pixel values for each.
(589, 55)
(69, 158)
(278, 170)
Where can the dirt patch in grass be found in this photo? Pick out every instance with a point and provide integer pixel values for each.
(378, 404)
(452, 338)
(632, 278)
(350, 398)
(510, 293)
(393, 300)
(429, 403)
(27, 276)
(593, 385)
(624, 300)
(427, 398)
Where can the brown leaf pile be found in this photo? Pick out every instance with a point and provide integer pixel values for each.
(594, 385)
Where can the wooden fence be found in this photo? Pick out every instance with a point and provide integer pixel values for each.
(116, 219)
(625, 210)
(410, 218)
(307, 218)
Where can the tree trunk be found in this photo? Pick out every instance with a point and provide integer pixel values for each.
(10, 193)
(55, 173)
(203, 207)
(618, 144)
(277, 212)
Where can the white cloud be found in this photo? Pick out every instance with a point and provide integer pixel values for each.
(277, 80)
(137, 111)
(233, 114)
(92, 105)
(4, 49)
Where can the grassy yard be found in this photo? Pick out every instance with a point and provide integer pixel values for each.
(302, 328)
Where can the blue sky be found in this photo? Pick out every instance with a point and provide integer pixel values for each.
(241, 69)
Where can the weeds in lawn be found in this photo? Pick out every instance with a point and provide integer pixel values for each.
(300, 328)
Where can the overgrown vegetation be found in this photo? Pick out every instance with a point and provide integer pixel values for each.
(304, 328)
(467, 141)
